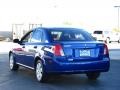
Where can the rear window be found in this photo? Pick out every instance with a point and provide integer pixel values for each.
(70, 35)
(97, 32)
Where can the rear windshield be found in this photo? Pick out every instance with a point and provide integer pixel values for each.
(70, 35)
(97, 32)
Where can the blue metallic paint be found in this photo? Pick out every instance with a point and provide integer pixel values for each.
(70, 63)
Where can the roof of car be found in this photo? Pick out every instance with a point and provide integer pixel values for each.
(57, 28)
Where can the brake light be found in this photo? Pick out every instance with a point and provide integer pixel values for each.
(57, 50)
(106, 51)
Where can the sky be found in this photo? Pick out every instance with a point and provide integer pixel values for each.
(88, 14)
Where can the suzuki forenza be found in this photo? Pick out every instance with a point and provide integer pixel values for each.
(60, 51)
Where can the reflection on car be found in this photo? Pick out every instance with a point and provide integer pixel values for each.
(60, 51)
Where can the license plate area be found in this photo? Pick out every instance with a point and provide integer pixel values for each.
(85, 53)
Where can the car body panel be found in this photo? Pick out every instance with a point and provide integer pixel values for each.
(78, 56)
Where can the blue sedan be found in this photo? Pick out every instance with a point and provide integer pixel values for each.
(60, 51)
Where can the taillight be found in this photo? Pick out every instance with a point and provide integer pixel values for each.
(106, 51)
(57, 50)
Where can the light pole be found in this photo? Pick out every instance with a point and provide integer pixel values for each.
(118, 7)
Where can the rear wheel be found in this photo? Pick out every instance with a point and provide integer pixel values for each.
(40, 74)
(12, 63)
(93, 75)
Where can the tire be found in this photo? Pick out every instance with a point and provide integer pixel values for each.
(93, 75)
(12, 63)
(39, 72)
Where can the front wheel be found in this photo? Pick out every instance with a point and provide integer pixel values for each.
(12, 63)
(40, 74)
(93, 75)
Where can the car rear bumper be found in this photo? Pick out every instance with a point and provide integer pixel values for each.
(77, 67)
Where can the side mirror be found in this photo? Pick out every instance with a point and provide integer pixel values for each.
(16, 41)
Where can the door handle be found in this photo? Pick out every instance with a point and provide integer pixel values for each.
(35, 47)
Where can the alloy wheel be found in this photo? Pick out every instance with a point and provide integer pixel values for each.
(39, 71)
(11, 62)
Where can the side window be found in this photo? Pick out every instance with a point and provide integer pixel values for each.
(36, 36)
(27, 37)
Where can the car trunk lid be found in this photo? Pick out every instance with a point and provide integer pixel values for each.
(83, 50)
